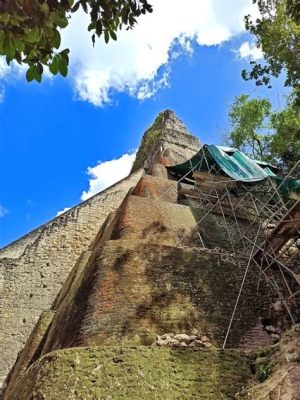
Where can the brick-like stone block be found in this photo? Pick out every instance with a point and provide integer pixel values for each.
(153, 220)
(157, 188)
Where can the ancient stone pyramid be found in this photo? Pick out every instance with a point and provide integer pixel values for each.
(34, 268)
(106, 302)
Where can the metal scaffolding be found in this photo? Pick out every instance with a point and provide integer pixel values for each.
(259, 224)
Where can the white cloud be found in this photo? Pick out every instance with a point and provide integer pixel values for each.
(107, 173)
(148, 88)
(4, 68)
(139, 62)
(3, 211)
(14, 70)
(2, 93)
(249, 50)
(4, 72)
(62, 211)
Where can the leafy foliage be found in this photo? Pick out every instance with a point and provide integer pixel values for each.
(30, 29)
(247, 117)
(263, 368)
(285, 143)
(277, 33)
(263, 134)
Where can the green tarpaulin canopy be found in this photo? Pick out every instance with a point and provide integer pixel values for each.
(232, 162)
(289, 187)
(235, 164)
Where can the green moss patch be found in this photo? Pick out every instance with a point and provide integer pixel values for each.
(263, 368)
(135, 373)
(149, 140)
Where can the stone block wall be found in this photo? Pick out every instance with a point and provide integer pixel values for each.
(33, 269)
(140, 283)
(132, 291)
(136, 282)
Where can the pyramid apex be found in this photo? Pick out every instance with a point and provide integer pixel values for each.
(166, 132)
(168, 120)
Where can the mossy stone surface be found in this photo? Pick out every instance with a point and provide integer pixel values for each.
(134, 373)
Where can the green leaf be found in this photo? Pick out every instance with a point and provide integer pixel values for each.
(148, 7)
(30, 74)
(39, 68)
(34, 72)
(75, 7)
(56, 39)
(1, 43)
(117, 20)
(65, 51)
(106, 36)
(4, 18)
(16, 19)
(45, 7)
(9, 46)
(32, 35)
(53, 67)
(64, 55)
(91, 26)
(62, 22)
(99, 27)
(113, 35)
(63, 67)
(12, 48)
(38, 77)
(19, 44)
(48, 31)
(84, 6)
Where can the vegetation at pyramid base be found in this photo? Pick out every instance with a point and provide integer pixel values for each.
(261, 133)
(30, 29)
(134, 373)
(277, 33)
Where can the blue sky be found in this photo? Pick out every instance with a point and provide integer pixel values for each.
(52, 134)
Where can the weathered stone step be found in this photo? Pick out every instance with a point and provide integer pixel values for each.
(153, 220)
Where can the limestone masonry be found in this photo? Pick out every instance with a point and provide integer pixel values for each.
(33, 268)
(116, 298)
